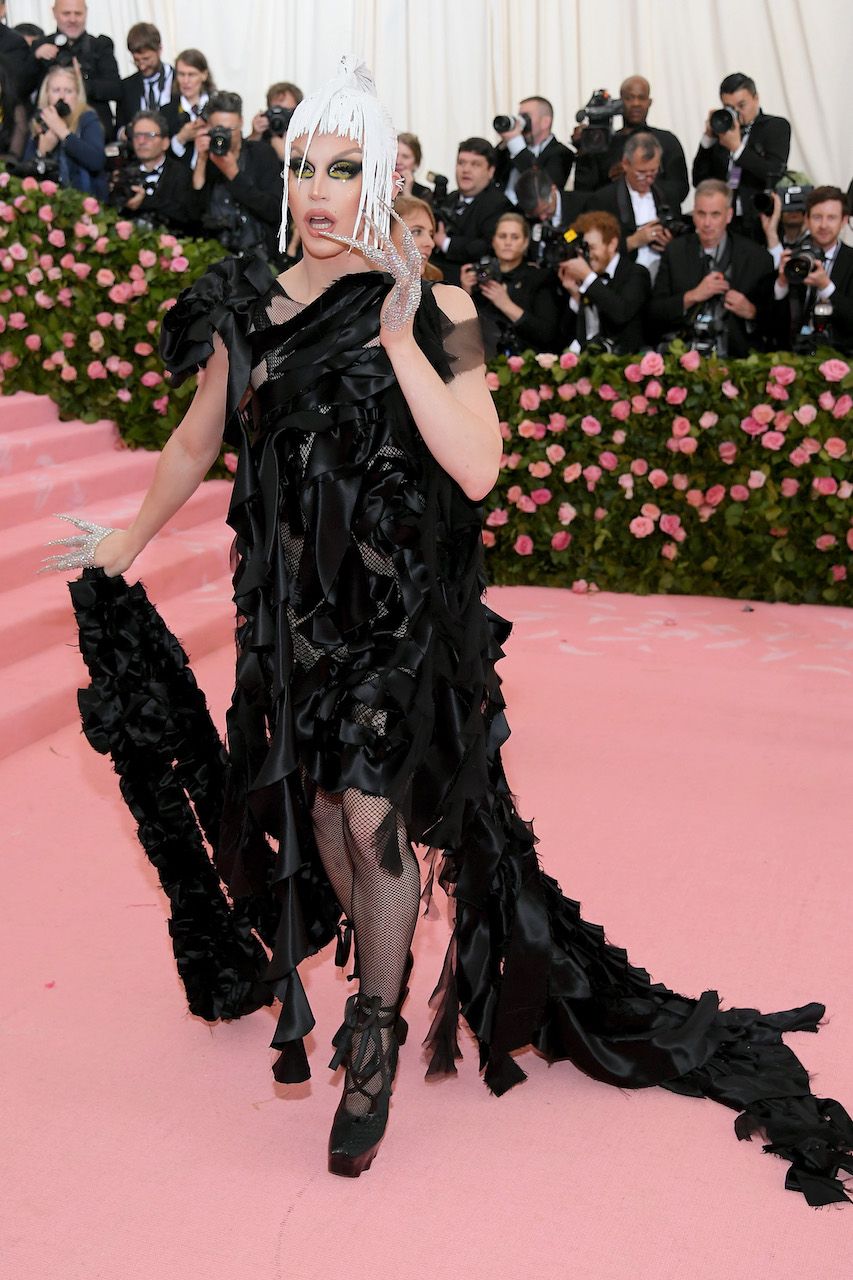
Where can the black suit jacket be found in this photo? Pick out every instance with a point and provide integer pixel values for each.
(173, 203)
(556, 160)
(750, 272)
(764, 159)
(615, 198)
(471, 231)
(593, 172)
(100, 72)
(841, 276)
(130, 98)
(257, 188)
(621, 306)
(19, 61)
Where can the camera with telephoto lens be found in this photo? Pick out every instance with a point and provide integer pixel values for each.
(598, 113)
(551, 247)
(277, 118)
(61, 108)
(503, 124)
(808, 256)
(220, 140)
(487, 268)
(723, 119)
(672, 223)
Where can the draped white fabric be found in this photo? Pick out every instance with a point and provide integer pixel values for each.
(446, 67)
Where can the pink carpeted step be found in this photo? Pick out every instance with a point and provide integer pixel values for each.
(54, 443)
(23, 548)
(40, 690)
(73, 486)
(38, 615)
(23, 411)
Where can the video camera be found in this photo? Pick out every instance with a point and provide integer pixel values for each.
(598, 113)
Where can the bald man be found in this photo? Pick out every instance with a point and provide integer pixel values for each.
(593, 172)
(95, 55)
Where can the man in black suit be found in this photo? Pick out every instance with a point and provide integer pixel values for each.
(607, 291)
(750, 156)
(595, 171)
(520, 149)
(830, 281)
(162, 191)
(152, 86)
(638, 202)
(17, 60)
(466, 221)
(95, 55)
(549, 210)
(714, 288)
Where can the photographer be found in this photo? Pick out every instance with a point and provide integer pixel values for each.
(152, 86)
(409, 156)
(814, 288)
(239, 182)
(271, 125)
(157, 189)
(186, 114)
(17, 64)
(785, 227)
(715, 288)
(94, 54)
(607, 291)
(529, 141)
(468, 217)
(744, 148)
(549, 211)
(67, 139)
(639, 203)
(13, 119)
(595, 171)
(516, 302)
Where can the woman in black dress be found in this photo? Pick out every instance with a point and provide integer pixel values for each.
(367, 714)
(517, 302)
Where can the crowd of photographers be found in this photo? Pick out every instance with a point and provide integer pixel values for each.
(578, 244)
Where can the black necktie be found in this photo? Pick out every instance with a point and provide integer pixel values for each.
(604, 278)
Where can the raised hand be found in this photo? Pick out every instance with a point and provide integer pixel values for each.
(402, 302)
(83, 545)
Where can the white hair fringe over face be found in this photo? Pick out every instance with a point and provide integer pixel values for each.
(348, 106)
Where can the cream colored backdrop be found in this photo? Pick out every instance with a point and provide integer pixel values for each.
(446, 67)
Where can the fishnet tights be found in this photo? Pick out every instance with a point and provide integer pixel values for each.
(383, 907)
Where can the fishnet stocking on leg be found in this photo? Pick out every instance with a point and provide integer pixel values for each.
(382, 906)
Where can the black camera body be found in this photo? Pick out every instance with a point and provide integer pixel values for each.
(551, 247)
(487, 268)
(808, 256)
(671, 222)
(220, 140)
(723, 119)
(598, 113)
(61, 108)
(440, 183)
(278, 118)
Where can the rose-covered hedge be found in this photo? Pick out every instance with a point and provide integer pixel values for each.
(82, 293)
(675, 474)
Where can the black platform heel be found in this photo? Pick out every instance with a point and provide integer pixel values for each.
(355, 1139)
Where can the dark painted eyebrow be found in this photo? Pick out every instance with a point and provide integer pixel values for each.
(299, 155)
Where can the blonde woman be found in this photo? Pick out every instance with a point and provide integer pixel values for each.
(66, 134)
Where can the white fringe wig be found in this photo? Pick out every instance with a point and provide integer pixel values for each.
(348, 106)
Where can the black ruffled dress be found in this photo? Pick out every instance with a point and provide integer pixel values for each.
(366, 658)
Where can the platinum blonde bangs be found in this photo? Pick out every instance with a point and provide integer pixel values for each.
(347, 105)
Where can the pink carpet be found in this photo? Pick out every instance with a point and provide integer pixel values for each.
(686, 762)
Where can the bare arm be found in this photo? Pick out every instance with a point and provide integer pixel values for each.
(457, 421)
(186, 459)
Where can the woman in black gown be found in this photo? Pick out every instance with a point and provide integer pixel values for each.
(367, 714)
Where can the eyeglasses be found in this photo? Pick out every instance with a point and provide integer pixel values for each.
(149, 136)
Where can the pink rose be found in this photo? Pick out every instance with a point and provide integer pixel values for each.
(515, 362)
(694, 497)
(639, 404)
(523, 545)
(555, 453)
(45, 213)
(539, 470)
(95, 370)
(91, 206)
(541, 496)
(571, 472)
(143, 348)
(120, 293)
(101, 244)
(826, 540)
(104, 319)
(566, 513)
(739, 492)
(529, 399)
(590, 426)
(69, 339)
(680, 427)
(783, 373)
(651, 364)
(621, 410)
(168, 241)
(68, 373)
(669, 550)
(503, 427)
(608, 460)
(650, 510)
(568, 360)
(715, 495)
(641, 527)
(827, 486)
(147, 258)
(654, 390)
(773, 440)
(82, 270)
(179, 263)
(676, 395)
(584, 386)
(592, 475)
(17, 252)
(626, 481)
(657, 478)
(843, 405)
(105, 278)
(835, 447)
(567, 391)
(17, 320)
(124, 395)
(756, 480)
(671, 525)
(618, 437)
(834, 370)
(580, 586)
(546, 392)
(839, 573)
(849, 539)
(96, 340)
(799, 456)
(789, 487)
(639, 467)
(633, 373)
(680, 482)
(751, 426)
(763, 413)
(845, 489)
(43, 299)
(56, 238)
(151, 378)
(526, 504)
(730, 390)
(124, 369)
(487, 536)
(776, 391)
(124, 230)
(546, 359)
(690, 361)
(32, 342)
(497, 517)
(826, 399)
(606, 392)
(782, 420)
(811, 445)
(526, 429)
(708, 420)
(560, 540)
(493, 382)
(556, 422)
(599, 513)
(513, 493)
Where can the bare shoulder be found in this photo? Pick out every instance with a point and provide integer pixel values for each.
(456, 304)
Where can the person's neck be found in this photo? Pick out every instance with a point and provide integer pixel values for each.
(311, 277)
(152, 164)
(507, 267)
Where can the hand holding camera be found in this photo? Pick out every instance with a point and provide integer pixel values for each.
(723, 124)
(739, 304)
(710, 286)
